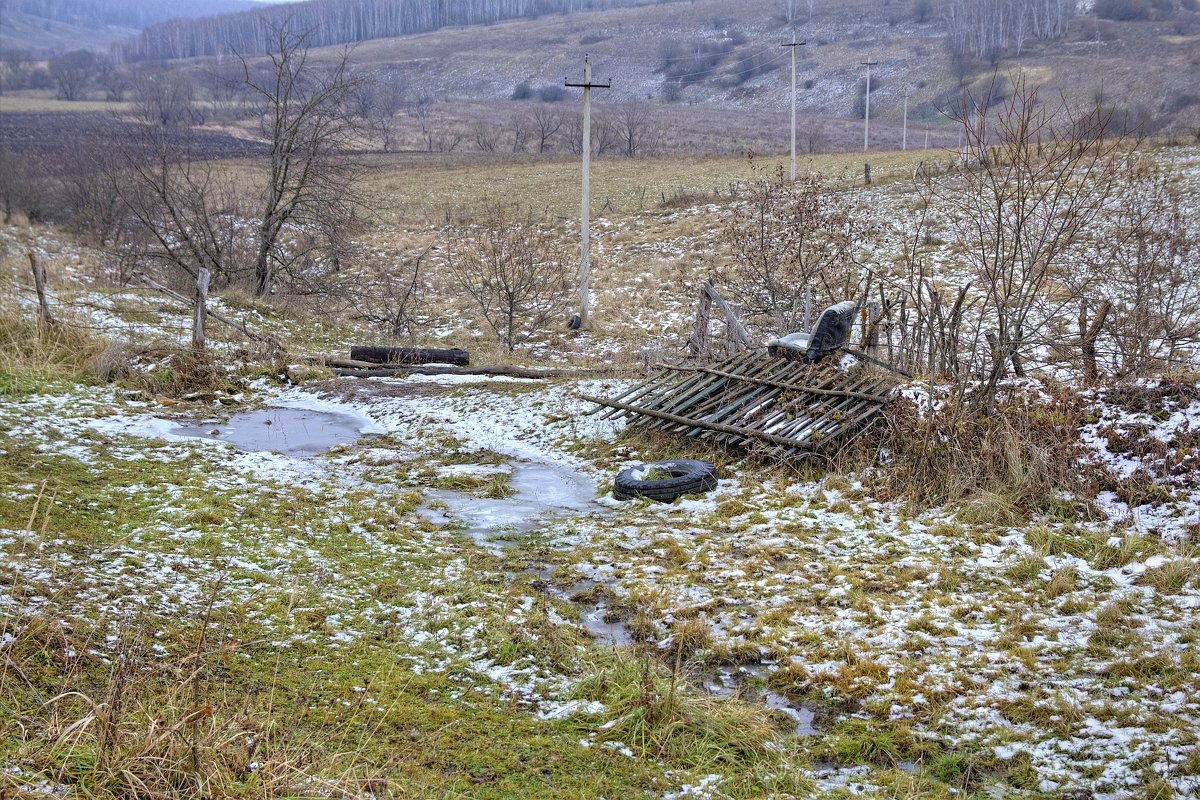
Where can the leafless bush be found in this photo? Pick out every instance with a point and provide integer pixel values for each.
(795, 248)
(25, 188)
(183, 216)
(1035, 179)
(486, 135)
(514, 270)
(1146, 265)
(386, 294)
(1001, 466)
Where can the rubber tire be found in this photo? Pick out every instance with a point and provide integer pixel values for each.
(688, 476)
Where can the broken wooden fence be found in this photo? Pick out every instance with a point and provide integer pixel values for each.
(791, 408)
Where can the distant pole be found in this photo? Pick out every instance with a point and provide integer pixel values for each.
(585, 204)
(793, 44)
(867, 117)
(904, 134)
(926, 140)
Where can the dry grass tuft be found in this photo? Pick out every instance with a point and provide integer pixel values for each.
(33, 355)
(1000, 467)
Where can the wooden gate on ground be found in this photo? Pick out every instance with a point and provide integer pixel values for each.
(790, 409)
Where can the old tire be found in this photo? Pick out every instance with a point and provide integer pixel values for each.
(687, 476)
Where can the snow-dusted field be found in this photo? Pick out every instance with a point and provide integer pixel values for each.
(1058, 656)
(458, 561)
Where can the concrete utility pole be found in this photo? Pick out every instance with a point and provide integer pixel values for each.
(585, 213)
(904, 134)
(867, 117)
(793, 44)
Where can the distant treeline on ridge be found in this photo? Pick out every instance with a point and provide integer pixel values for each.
(334, 22)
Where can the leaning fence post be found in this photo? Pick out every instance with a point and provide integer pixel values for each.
(198, 337)
(701, 339)
(39, 284)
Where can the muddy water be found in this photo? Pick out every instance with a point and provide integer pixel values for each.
(742, 681)
(291, 431)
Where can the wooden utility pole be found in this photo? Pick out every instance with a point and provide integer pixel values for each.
(867, 117)
(585, 206)
(793, 44)
(904, 134)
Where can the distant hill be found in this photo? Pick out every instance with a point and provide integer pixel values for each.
(50, 26)
(332, 22)
(727, 54)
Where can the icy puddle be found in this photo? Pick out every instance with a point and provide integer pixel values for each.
(541, 493)
(735, 683)
(290, 431)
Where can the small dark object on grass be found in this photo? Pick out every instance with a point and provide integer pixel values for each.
(575, 323)
(665, 480)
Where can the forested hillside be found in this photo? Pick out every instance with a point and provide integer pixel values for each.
(337, 22)
(122, 13)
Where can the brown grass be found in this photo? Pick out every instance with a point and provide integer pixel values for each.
(999, 468)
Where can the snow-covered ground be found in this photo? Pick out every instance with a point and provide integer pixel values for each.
(1058, 656)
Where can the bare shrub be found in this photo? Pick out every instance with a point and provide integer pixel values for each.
(386, 294)
(795, 249)
(1036, 178)
(1146, 268)
(515, 272)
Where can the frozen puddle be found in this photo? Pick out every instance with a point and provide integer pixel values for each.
(609, 634)
(290, 431)
(541, 493)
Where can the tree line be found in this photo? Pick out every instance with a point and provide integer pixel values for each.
(123, 13)
(334, 22)
(989, 28)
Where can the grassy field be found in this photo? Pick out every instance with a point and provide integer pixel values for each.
(431, 186)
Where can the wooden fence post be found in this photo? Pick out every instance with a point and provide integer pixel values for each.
(198, 337)
(39, 284)
(701, 340)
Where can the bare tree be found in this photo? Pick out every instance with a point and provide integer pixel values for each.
(546, 123)
(378, 100)
(519, 125)
(1146, 276)
(514, 271)
(486, 135)
(605, 135)
(304, 117)
(635, 129)
(165, 98)
(421, 107)
(73, 73)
